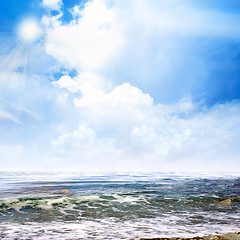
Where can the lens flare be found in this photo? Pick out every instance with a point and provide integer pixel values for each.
(29, 30)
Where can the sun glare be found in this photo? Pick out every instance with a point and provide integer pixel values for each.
(29, 30)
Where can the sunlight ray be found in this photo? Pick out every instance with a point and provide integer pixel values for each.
(9, 68)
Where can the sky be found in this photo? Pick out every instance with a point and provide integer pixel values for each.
(120, 85)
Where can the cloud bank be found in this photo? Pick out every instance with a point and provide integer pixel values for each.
(155, 87)
(124, 128)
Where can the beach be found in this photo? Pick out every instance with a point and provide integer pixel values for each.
(227, 236)
(103, 206)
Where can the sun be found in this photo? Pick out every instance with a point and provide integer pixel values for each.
(29, 30)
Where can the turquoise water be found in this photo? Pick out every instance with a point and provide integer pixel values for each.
(117, 206)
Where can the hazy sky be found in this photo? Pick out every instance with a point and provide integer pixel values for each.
(128, 85)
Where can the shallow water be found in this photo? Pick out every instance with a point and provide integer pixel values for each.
(116, 206)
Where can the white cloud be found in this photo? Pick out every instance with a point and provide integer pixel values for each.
(88, 42)
(149, 43)
(85, 81)
(123, 106)
(77, 139)
(8, 116)
(119, 126)
(51, 21)
(52, 4)
(124, 124)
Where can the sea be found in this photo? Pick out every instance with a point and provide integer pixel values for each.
(74, 205)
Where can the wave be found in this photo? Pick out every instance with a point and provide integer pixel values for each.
(111, 229)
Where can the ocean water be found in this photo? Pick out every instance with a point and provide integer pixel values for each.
(117, 205)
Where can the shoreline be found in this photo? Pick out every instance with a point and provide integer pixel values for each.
(227, 236)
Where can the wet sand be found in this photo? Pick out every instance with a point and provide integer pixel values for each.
(227, 236)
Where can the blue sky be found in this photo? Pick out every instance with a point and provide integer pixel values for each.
(117, 85)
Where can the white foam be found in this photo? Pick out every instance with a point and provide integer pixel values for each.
(128, 199)
(110, 229)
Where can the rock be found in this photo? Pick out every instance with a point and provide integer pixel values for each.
(225, 203)
(231, 236)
